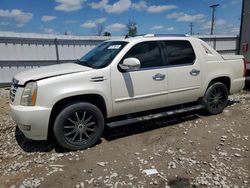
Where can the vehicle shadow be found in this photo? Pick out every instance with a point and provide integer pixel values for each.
(29, 145)
(127, 130)
(131, 129)
(180, 182)
(231, 102)
(111, 134)
(247, 86)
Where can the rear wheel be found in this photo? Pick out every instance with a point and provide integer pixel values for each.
(216, 98)
(78, 126)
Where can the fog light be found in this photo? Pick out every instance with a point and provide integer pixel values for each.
(25, 127)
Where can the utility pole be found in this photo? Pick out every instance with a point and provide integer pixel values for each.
(191, 28)
(213, 17)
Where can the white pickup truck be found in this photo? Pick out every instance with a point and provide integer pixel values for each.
(123, 81)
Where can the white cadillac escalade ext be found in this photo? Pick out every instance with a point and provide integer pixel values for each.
(120, 82)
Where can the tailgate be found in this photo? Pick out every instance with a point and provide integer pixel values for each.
(232, 57)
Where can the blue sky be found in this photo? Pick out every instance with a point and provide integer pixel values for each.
(81, 17)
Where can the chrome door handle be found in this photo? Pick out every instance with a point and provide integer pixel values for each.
(195, 72)
(159, 77)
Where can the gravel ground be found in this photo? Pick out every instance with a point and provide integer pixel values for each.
(190, 150)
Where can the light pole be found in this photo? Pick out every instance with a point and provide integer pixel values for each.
(213, 18)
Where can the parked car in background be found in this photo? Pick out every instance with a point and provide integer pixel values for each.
(123, 81)
(244, 38)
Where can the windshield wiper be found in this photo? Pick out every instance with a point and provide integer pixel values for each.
(82, 62)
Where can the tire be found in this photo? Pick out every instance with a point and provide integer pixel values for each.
(78, 126)
(216, 98)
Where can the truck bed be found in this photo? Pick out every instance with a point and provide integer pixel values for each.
(232, 57)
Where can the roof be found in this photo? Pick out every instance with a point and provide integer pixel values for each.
(149, 37)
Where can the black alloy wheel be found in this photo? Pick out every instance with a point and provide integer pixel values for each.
(78, 126)
(216, 98)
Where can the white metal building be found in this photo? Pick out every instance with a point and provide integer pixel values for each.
(21, 51)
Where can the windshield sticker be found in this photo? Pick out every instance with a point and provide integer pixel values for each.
(114, 47)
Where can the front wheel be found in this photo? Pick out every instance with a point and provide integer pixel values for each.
(78, 126)
(216, 98)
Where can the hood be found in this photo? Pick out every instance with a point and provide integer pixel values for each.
(49, 71)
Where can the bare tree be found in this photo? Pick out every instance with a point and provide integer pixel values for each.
(132, 28)
(107, 34)
(99, 29)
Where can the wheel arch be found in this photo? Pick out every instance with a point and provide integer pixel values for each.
(223, 79)
(94, 99)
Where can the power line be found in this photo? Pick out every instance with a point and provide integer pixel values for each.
(191, 28)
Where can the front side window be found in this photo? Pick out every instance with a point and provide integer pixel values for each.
(179, 52)
(148, 53)
(102, 55)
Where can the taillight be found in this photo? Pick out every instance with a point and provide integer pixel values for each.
(245, 67)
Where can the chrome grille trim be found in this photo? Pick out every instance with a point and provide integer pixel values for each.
(13, 89)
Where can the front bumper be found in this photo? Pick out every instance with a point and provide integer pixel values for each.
(33, 121)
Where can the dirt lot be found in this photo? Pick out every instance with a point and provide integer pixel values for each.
(190, 150)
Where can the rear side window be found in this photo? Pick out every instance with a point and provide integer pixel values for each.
(179, 52)
(148, 53)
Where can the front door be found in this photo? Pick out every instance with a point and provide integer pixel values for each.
(142, 89)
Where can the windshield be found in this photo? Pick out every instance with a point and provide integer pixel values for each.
(102, 55)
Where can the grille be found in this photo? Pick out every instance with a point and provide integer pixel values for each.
(13, 89)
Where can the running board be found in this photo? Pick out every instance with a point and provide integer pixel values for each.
(153, 116)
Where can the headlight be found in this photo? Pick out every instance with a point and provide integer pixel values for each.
(29, 94)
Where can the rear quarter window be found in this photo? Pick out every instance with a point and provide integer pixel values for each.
(179, 52)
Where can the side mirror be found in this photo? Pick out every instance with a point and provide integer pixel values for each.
(130, 64)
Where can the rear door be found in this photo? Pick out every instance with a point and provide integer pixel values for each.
(184, 72)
